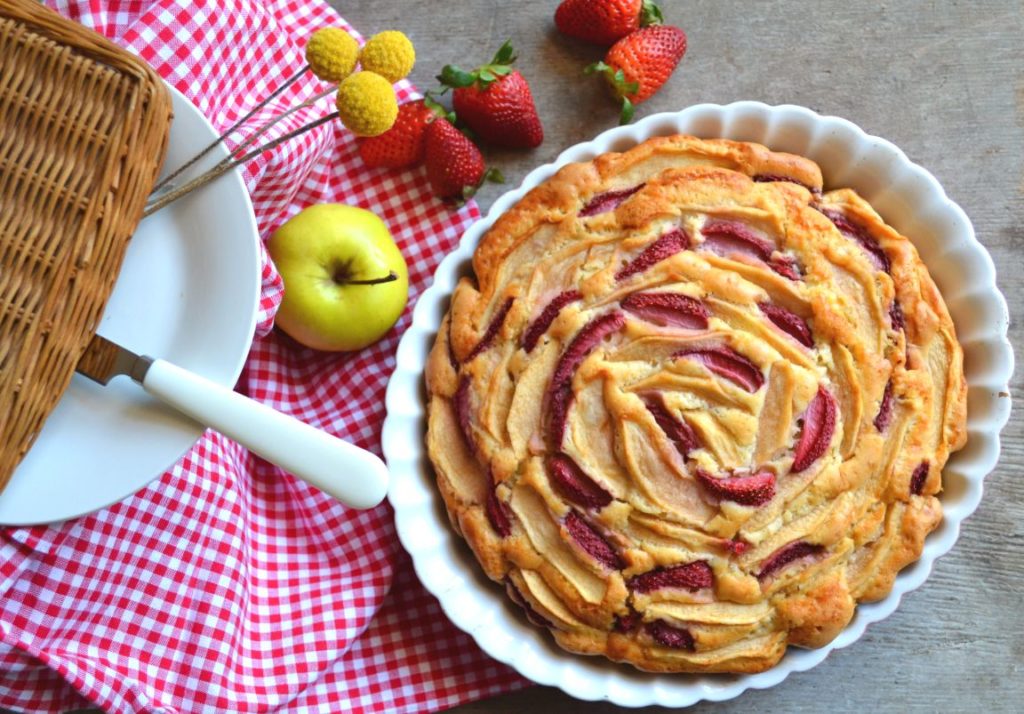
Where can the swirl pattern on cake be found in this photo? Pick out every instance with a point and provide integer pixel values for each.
(691, 409)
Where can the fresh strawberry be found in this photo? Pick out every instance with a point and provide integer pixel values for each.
(495, 102)
(455, 166)
(604, 21)
(637, 65)
(402, 145)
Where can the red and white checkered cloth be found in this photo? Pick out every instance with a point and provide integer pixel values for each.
(226, 585)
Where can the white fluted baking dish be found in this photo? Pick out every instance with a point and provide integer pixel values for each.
(908, 198)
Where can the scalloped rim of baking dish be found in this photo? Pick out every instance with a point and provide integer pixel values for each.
(908, 197)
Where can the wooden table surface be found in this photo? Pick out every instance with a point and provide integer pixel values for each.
(942, 80)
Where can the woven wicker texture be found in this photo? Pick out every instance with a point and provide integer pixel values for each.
(83, 132)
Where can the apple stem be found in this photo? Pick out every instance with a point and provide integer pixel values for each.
(391, 276)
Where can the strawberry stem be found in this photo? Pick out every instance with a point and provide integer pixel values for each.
(453, 77)
(437, 108)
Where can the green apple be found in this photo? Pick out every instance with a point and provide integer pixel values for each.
(345, 281)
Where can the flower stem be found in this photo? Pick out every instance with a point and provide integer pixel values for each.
(229, 163)
(267, 126)
(234, 127)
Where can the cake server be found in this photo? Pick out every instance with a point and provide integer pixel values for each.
(352, 475)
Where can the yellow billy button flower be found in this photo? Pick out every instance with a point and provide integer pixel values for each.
(390, 54)
(367, 105)
(332, 54)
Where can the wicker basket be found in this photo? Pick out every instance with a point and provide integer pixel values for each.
(83, 132)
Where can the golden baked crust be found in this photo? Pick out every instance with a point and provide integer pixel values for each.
(691, 410)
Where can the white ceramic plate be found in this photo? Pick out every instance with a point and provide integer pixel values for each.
(188, 292)
(909, 198)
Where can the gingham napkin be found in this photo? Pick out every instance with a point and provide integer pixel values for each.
(226, 585)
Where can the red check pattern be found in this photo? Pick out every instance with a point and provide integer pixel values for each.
(227, 585)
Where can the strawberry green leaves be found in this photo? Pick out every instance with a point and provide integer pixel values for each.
(620, 86)
(650, 14)
(454, 77)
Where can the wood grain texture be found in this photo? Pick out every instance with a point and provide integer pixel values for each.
(945, 82)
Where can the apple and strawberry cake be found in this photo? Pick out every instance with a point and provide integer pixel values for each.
(690, 409)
